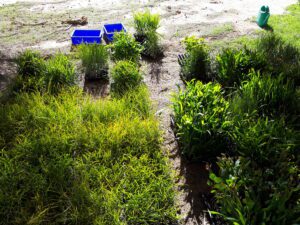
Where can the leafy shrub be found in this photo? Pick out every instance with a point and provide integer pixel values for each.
(71, 159)
(201, 115)
(233, 66)
(265, 96)
(126, 76)
(282, 58)
(197, 63)
(60, 72)
(146, 25)
(125, 47)
(260, 187)
(95, 60)
(30, 63)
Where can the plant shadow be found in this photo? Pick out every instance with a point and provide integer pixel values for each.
(268, 28)
(194, 177)
(98, 88)
(155, 68)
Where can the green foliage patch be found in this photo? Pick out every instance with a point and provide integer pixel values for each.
(70, 159)
(197, 63)
(265, 96)
(95, 60)
(38, 74)
(125, 47)
(201, 120)
(233, 66)
(146, 25)
(257, 127)
(126, 76)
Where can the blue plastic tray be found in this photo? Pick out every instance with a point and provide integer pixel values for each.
(111, 29)
(86, 37)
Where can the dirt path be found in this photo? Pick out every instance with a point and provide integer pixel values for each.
(163, 80)
(217, 18)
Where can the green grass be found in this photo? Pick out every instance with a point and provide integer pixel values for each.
(196, 65)
(126, 76)
(70, 159)
(125, 47)
(145, 22)
(94, 59)
(257, 180)
(288, 25)
(36, 73)
(146, 25)
(201, 114)
(222, 29)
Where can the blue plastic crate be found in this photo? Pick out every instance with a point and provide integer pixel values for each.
(111, 29)
(86, 37)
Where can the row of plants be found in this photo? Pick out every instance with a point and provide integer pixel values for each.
(242, 113)
(229, 67)
(125, 52)
(67, 158)
(95, 58)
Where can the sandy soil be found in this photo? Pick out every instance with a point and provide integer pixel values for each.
(37, 24)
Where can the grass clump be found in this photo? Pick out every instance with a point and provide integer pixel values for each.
(197, 64)
(126, 76)
(201, 117)
(233, 66)
(59, 73)
(30, 64)
(145, 22)
(71, 159)
(265, 96)
(94, 58)
(125, 47)
(146, 25)
(37, 74)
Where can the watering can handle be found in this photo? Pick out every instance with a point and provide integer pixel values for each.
(267, 17)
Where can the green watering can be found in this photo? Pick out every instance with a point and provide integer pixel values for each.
(263, 16)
